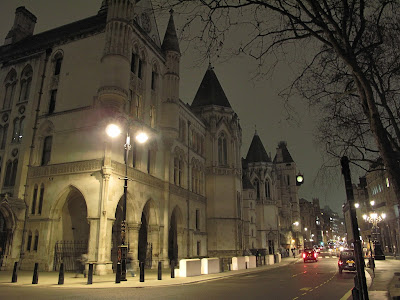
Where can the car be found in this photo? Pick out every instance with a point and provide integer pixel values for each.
(310, 254)
(346, 260)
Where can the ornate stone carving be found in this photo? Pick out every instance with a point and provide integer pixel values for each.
(66, 168)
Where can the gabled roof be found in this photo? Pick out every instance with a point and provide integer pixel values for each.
(44, 40)
(286, 157)
(257, 151)
(210, 91)
(170, 42)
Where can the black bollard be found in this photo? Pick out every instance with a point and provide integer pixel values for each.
(61, 274)
(247, 265)
(172, 269)
(159, 271)
(118, 274)
(35, 278)
(14, 274)
(90, 274)
(222, 265)
(141, 269)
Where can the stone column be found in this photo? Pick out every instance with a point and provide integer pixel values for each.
(133, 242)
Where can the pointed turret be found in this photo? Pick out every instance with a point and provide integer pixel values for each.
(282, 154)
(257, 151)
(170, 42)
(210, 91)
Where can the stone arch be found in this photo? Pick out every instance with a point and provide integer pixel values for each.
(7, 229)
(149, 234)
(175, 236)
(72, 228)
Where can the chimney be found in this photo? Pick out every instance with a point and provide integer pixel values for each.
(24, 25)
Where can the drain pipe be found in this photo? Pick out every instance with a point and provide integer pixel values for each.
(46, 59)
(188, 193)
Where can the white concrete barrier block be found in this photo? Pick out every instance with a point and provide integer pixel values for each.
(238, 263)
(210, 265)
(189, 267)
(278, 258)
(251, 261)
(270, 259)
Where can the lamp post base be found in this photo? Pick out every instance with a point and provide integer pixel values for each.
(122, 255)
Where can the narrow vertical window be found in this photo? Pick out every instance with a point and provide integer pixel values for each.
(222, 150)
(29, 241)
(133, 63)
(267, 189)
(197, 219)
(15, 130)
(152, 116)
(57, 65)
(153, 80)
(180, 167)
(9, 87)
(53, 98)
(46, 150)
(198, 248)
(33, 207)
(140, 69)
(14, 172)
(148, 161)
(176, 166)
(41, 199)
(36, 241)
(134, 154)
(21, 128)
(288, 179)
(4, 137)
(7, 177)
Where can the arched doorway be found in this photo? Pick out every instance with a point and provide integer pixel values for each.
(142, 243)
(4, 234)
(116, 233)
(148, 239)
(175, 235)
(73, 232)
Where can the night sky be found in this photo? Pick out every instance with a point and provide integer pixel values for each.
(256, 102)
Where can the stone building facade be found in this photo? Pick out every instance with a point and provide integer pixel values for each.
(61, 176)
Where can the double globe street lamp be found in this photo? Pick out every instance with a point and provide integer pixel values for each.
(374, 218)
(114, 131)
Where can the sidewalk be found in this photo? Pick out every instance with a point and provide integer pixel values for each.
(50, 279)
(378, 286)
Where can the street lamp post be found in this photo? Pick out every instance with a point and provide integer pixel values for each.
(374, 218)
(114, 131)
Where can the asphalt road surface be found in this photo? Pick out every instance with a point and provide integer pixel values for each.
(312, 280)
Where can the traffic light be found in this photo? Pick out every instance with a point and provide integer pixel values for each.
(299, 179)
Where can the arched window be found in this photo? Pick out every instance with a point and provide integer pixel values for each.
(33, 206)
(222, 150)
(133, 62)
(36, 241)
(41, 199)
(29, 241)
(46, 153)
(57, 61)
(26, 80)
(267, 189)
(9, 88)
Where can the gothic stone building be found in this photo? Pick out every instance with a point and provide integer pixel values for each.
(61, 188)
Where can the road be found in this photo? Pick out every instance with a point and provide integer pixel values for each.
(311, 280)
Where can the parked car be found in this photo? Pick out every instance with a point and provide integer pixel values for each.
(347, 261)
(310, 254)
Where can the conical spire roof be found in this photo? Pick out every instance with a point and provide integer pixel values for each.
(286, 157)
(210, 91)
(257, 151)
(170, 42)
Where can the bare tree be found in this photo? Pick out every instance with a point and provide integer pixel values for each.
(352, 72)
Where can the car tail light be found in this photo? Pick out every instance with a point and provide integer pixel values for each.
(340, 262)
(304, 255)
